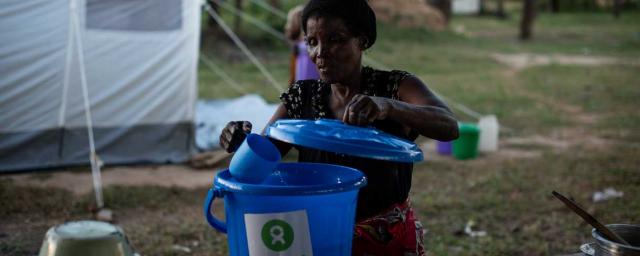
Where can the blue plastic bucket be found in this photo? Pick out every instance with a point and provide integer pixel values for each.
(302, 208)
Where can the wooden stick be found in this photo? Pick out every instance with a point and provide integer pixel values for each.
(607, 233)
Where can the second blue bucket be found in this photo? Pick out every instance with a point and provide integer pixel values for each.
(301, 209)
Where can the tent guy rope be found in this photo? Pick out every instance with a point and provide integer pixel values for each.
(243, 47)
(225, 77)
(270, 9)
(265, 27)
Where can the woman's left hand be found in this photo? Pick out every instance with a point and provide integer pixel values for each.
(363, 110)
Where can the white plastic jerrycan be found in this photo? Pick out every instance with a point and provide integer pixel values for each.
(489, 128)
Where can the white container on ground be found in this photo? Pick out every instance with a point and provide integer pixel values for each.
(489, 128)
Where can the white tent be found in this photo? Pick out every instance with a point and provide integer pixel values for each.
(113, 77)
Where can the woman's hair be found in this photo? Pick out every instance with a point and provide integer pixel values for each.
(357, 15)
(292, 29)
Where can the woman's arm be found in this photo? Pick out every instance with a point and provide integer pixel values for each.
(418, 109)
(281, 113)
(422, 111)
(236, 131)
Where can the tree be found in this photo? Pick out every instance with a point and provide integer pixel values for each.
(210, 21)
(445, 7)
(483, 8)
(500, 12)
(555, 6)
(237, 21)
(528, 16)
(275, 3)
(616, 8)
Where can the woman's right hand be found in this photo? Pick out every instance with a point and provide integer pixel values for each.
(234, 134)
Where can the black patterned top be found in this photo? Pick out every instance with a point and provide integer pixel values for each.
(388, 182)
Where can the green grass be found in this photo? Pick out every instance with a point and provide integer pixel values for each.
(511, 200)
(507, 197)
(607, 92)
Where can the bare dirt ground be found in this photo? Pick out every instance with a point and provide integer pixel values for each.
(80, 182)
(524, 60)
(413, 13)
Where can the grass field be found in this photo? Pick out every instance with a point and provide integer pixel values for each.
(568, 127)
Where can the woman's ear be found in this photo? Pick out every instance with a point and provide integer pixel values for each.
(364, 43)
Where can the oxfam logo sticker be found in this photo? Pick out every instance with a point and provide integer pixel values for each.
(277, 235)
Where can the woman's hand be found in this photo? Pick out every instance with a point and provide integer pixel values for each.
(234, 134)
(363, 110)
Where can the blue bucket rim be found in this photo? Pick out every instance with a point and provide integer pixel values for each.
(224, 182)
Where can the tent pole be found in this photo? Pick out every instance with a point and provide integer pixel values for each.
(65, 83)
(93, 157)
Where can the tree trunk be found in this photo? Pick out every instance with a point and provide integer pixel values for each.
(237, 20)
(210, 21)
(616, 8)
(275, 3)
(555, 6)
(482, 10)
(500, 12)
(528, 16)
(445, 7)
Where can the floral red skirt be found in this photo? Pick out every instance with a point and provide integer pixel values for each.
(393, 232)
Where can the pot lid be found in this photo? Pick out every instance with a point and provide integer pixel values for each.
(338, 137)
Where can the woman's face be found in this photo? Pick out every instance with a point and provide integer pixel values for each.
(335, 51)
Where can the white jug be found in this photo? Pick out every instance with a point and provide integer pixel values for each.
(489, 129)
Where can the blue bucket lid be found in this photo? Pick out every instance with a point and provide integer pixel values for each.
(294, 179)
(336, 136)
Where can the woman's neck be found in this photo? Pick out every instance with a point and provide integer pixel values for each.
(347, 89)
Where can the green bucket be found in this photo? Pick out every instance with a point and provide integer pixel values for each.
(466, 146)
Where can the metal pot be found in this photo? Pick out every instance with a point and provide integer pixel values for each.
(605, 247)
(85, 238)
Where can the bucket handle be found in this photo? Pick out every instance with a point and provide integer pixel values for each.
(208, 204)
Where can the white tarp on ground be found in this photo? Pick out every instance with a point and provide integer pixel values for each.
(213, 115)
(140, 66)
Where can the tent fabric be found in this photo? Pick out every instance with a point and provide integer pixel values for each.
(140, 63)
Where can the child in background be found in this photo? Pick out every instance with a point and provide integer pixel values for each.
(301, 67)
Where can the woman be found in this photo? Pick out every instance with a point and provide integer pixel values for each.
(337, 32)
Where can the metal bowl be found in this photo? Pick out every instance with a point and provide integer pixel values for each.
(630, 233)
(587, 249)
(86, 237)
